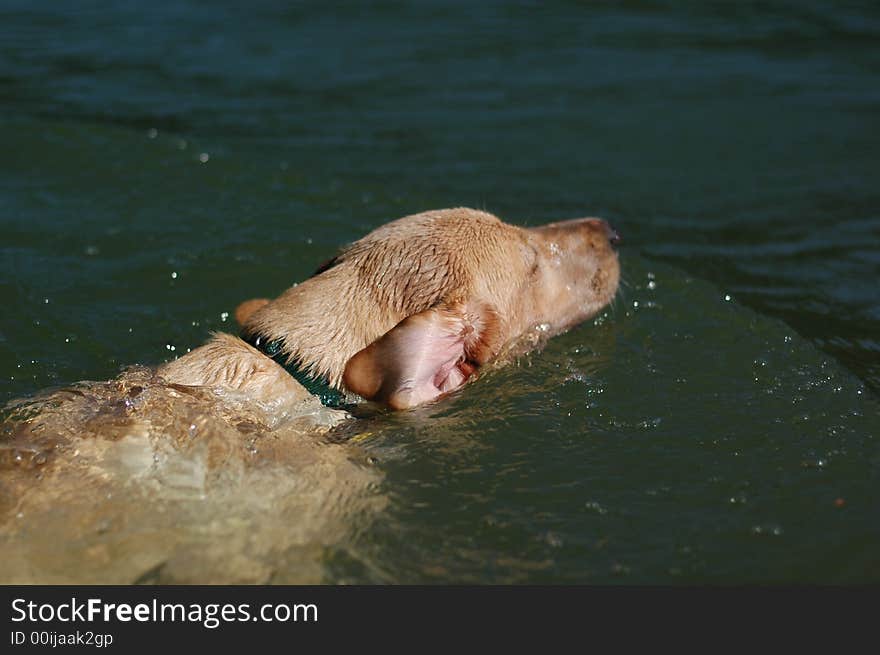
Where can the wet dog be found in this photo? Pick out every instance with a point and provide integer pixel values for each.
(411, 311)
(207, 470)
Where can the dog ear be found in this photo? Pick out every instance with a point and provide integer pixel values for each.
(425, 355)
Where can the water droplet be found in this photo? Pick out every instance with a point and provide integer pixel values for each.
(204, 157)
(769, 530)
(173, 275)
(652, 285)
(727, 297)
(224, 316)
(553, 539)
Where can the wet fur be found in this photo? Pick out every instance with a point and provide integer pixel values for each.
(448, 261)
(203, 470)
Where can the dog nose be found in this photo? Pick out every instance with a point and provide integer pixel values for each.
(605, 227)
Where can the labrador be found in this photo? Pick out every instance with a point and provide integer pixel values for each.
(202, 471)
(411, 311)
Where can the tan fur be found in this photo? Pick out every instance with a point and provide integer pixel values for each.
(555, 276)
(400, 269)
(228, 362)
(244, 311)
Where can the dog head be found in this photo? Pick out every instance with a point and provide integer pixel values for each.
(413, 309)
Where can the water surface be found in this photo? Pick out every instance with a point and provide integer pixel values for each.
(719, 423)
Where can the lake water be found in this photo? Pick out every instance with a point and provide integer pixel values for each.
(719, 423)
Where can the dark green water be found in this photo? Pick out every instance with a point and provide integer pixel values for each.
(162, 163)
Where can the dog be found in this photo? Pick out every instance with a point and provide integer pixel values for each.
(411, 312)
(207, 469)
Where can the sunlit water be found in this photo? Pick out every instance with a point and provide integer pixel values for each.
(718, 424)
(712, 445)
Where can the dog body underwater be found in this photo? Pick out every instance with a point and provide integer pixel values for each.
(412, 310)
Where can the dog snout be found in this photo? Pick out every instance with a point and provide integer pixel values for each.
(604, 227)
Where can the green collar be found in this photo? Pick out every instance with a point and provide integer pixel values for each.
(317, 386)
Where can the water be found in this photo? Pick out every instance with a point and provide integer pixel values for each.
(162, 164)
